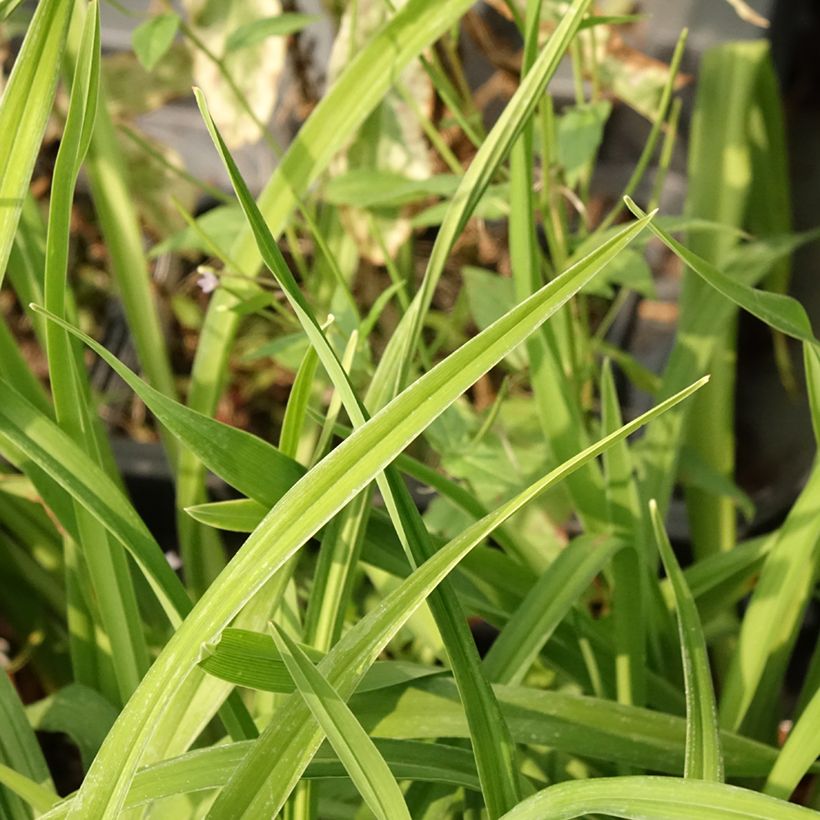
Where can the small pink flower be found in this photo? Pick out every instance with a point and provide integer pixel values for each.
(207, 280)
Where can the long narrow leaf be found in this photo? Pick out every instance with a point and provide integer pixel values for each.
(594, 728)
(801, 750)
(780, 312)
(210, 768)
(546, 604)
(355, 749)
(24, 111)
(704, 760)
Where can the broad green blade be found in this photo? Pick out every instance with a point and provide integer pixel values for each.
(593, 728)
(256, 468)
(24, 111)
(704, 760)
(658, 798)
(546, 604)
(355, 749)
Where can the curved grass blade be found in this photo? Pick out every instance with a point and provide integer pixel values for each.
(108, 568)
(71, 468)
(780, 312)
(704, 760)
(775, 612)
(24, 110)
(256, 468)
(77, 711)
(210, 768)
(355, 749)
(654, 797)
(296, 408)
(247, 658)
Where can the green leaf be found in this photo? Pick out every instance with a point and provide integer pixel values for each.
(236, 515)
(24, 110)
(801, 750)
(152, 39)
(19, 751)
(41, 440)
(220, 225)
(38, 797)
(296, 408)
(254, 32)
(645, 798)
(593, 728)
(780, 312)
(696, 472)
(81, 713)
(210, 768)
(490, 296)
(546, 604)
(249, 659)
(773, 617)
(630, 565)
(704, 760)
(373, 188)
(356, 750)
(245, 461)
(7, 8)
(580, 131)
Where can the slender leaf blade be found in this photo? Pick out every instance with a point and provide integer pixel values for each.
(704, 759)
(356, 750)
